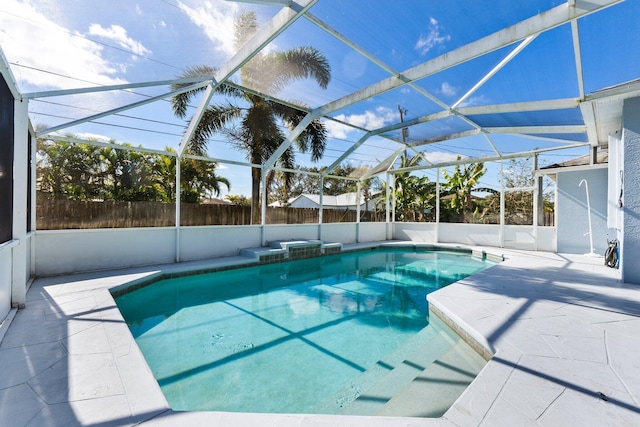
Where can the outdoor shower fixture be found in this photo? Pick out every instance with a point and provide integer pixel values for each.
(590, 232)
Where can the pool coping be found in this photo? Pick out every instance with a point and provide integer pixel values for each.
(70, 358)
(251, 261)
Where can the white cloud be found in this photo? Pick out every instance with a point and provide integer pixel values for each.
(336, 130)
(367, 120)
(118, 34)
(440, 157)
(447, 90)
(92, 137)
(433, 38)
(216, 18)
(58, 51)
(474, 100)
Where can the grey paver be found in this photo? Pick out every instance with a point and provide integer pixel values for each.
(564, 330)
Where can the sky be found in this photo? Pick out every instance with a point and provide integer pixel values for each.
(62, 44)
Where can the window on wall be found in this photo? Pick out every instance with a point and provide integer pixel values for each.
(6, 162)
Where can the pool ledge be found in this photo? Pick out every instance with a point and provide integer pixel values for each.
(562, 330)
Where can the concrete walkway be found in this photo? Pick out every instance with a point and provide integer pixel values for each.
(564, 332)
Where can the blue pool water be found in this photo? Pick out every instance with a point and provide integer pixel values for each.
(307, 336)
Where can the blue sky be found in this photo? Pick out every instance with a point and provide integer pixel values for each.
(58, 44)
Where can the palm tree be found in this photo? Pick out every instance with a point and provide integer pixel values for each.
(256, 127)
(403, 183)
(197, 178)
(460, 184)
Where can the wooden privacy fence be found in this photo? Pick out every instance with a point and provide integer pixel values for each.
(80, 214)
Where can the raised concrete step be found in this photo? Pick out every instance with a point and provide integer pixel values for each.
(280, 250)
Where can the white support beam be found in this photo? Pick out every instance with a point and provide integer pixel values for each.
(119, 109)
(178, 202)
(74, 140)
(282, 3)
(289, 140)
(520, 107)
(20, 260)
(447, 137)
(538, 129)
(108, 88)
(589, 117)
(195, 120)
(5, 71)
(384, 165)
(346, 154)
(265, 35)
(542, 22)
(486, 159)
(577, 53)
(495, 69)
(491, 144)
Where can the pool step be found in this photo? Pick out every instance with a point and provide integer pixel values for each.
(437, 387)
(433, 337)
(281, 250)
(370, 400)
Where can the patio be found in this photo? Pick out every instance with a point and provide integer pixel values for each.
(563, 329)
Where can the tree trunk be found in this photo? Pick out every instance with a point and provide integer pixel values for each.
(255, 196)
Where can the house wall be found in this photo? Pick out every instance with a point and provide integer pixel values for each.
(572, 212)
(630, 242)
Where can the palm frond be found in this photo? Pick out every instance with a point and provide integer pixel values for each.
(246, 26)
(281, 68)
(287, 160)
(260, 132)
(313, 137)
(180, 102)
(214, 119)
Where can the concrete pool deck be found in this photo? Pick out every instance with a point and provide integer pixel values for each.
(564, 330)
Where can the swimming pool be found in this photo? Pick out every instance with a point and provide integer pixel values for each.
(318, 335)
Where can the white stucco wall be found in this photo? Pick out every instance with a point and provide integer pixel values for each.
(291, 232)
(217, 241)
(339, 232)
(415, 231)
(572, 213)
(631, 216)
(372, 231)
(548, 239)
(470, 234)
(70, 251)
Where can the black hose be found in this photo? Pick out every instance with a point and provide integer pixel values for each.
(611, 254)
